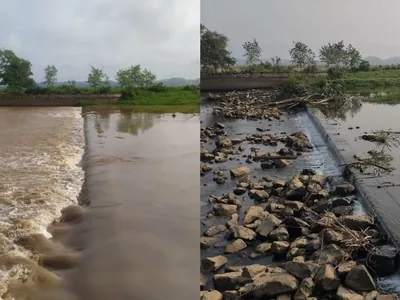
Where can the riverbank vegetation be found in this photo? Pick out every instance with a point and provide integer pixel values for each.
(135, 85)
(335, 64)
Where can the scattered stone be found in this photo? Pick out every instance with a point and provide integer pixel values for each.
(358, 222)
(305, 289)
(302, 270)
(212, 295)
(253, 270)
(331, 254)
(258, 195)
(225, 209)
(236, 246)
(267, 225)
(326, 279)
(227, 281)
(240, 171)
(279, 234)
(241, 232)
(279, 247)
(347, 294)
(344, 268)
(207, 242)
(273, 285)
(282, 163)
(213, 263)
(214, 230)
(360, 280)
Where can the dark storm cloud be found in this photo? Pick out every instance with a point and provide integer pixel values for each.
(371, 26)
(162, 36)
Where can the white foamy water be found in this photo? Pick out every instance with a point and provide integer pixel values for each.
(40, 152)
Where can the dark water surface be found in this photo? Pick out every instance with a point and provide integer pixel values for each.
(140, 239)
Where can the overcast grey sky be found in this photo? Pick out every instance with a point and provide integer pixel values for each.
(373, 27)
(161, 35)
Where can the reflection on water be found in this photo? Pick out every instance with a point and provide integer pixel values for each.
(341, 111)
(140, 239)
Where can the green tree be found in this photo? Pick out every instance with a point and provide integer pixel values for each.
(252, 52)
(50, 75)
(213, 50)
(134, 77)
(15, 72)
(333, 54)
(97, 78)
(301, 55)
(149, 78)
(353, 57)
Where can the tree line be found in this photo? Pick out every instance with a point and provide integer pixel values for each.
(215, 55)
(16, 73)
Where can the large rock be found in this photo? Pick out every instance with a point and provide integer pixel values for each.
(236, 246)
(331, 254)
(258, 195)
(274, 284)
(382, 260)
(211, 295)
(360, 280)
(302, 269)
(343, 293)
(214, 230)
(240, 171)
(225, 209)
(253, 213)
(343, 190)
(223, 142)
(213, 263)
(358, 222)
(241, 232)
(252, 271)
(227, 281)
(305, 289)
(207, 242)
(326, 279)
(279, 234)
(267, 225)
(280, 247)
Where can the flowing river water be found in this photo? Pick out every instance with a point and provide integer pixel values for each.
(139, 235)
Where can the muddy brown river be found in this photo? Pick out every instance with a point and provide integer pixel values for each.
(139, 239)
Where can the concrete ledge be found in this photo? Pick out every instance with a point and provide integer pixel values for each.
(380, 203)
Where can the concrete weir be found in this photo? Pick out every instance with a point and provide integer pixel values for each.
(382, 203)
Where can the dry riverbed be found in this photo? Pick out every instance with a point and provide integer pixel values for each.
(274, 231)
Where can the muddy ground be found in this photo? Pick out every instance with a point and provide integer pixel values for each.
(272, 227)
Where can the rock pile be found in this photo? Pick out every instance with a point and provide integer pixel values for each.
(254, 105)
(309, 231)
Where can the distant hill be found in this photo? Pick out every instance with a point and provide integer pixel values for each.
(176, 81)
(374, 60)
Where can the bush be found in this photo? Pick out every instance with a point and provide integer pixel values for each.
(364, 66)
(127, 94)
(192, 87)
(335, 73)
(158, 88)
(105, 90)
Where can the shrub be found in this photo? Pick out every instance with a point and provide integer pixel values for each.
(159, 87)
